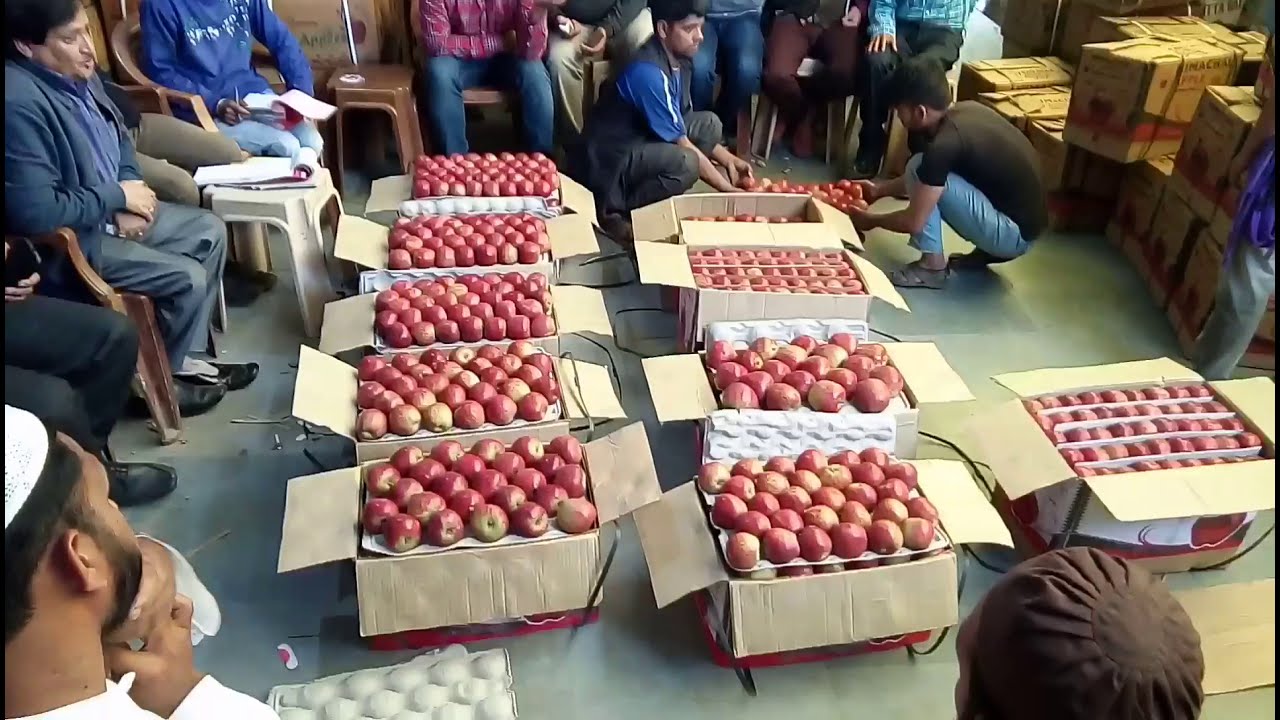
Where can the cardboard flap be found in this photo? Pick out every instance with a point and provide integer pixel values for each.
(965, 514)
(1188, 492)
(805, 235)
(323, 392)
(587, 391)
(1050, 381)
(928, 376)
(578, 199)
(662, 263)
(1255, 399)
(572, 236)
(321, 519)
(386, 194)
(623, 476)
(678, 546)
(347, 324)
(678, 387)
(1237, 626)
(655, 223)
(1021, 457)
(362, 242)
(841, 224)
(579, 310)
(877, 283)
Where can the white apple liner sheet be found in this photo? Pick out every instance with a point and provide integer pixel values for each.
(1244, 453)
(545, 208)
(741, 333)
(449, 684)
(1130, 439)
(375, 281)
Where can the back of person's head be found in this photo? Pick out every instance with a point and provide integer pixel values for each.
(919, 82)
(63, 541)
(674, 11)
(1079, 635)
(29, 22)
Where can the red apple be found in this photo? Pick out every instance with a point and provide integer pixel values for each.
(821, 516)
(465, 502)
(871, 396)
(549, 497)
(741, 486)
(826, 396)
(739, 396)
(712, 477)
(780, 546)
(401, 533)
(376, 512)
(725, 511)
(884, 537)
(749, 467)
(794, 498)
(719, 353)
(573, 479)
(892, 510)
(805, 480)
(771, 482)
(855, 513)
(742, 551)
(780, 396)
(812, 460)
(575, 516)
(753, 522)
(815, 544)
(800, 380)
(489, 523)
(528, 447)
(920, 507)
(444, 528)
(423, 505)
(530, 520)
(568, 448)
(381, 479)
(786, 519)
(848, 540)
(829, 496)
(917, 533)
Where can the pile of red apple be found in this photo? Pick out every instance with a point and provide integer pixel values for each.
(485, 175)
(465, 308)
(461, 390)
(824, 377)
(843, 195)
(448, 241)
(817, 509)
(805, 272)
(485, 493)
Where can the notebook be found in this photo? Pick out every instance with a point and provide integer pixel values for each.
(262, 171)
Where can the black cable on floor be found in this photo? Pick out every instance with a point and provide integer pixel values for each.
(885, 335)
(605, 286)
(1252, 546)
(974, 466)
(605, 258)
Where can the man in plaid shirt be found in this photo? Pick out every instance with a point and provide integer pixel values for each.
(901, 29)
(486, 43)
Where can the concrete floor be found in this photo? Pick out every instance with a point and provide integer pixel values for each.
(1072, 301)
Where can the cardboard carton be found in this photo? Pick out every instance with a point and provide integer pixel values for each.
(1192, 298)
(324, 394)
(1140, 191)
(1173, 232)
(1011, 74)
(1077, 25)
(1173, 514)
(1010, 49)
(1069, 168)
(386, 195)
(1072, 211)
(471, 585)
(1221, 123)
(323, 34)
(1033, 24)
(671, 221)
(1133, 99)
(1022, 107)
(1236, 623)
(680, 390)
(767, 616)
(348, 323)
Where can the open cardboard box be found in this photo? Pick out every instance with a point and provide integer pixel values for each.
(680, 390)
(1154, 511)
(364, 243)
(467, 585)
(793, 613)
(348, 323)
(325, 394)
(669, 221)
(667, 264)
(386, 194)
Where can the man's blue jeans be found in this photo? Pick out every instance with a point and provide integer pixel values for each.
(448, 77)
(738, 44)
(971, 215)
(260, 139)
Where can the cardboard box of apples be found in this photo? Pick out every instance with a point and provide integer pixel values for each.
(448, 309)
(775, 375)
(422, 399)
(871, 596)
(1176, 467)
(420, 565)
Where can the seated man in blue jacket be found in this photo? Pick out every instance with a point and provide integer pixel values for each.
(206, 48)
(69, 162)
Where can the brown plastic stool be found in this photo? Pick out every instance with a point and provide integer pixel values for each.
(388, 88)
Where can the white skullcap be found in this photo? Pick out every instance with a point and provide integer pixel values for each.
(26, 446)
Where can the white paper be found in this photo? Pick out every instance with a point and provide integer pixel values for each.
(245, 173)
(307, 106)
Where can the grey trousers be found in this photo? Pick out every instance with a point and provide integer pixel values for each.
(658, 170)
(177, 263)
(1248, 281)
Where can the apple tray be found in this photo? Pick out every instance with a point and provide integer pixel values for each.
(733, 435)
(741, 333)
(544, 207)
(382, 348)
(1206, 415)
(375, 281)
(1253, 452)
(374, 544)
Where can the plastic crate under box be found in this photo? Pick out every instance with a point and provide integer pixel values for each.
(464, 634)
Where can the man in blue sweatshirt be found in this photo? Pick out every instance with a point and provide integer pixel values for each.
(205, 47)
(733, 40)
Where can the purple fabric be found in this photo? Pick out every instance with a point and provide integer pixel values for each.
(1255, 221)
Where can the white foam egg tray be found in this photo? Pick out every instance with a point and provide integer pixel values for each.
(448, 685)
(375, 281)
(542, 207)
(737, 434)
(743, 332)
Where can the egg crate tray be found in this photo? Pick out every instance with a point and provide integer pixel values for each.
(375, 281)
(765, 433)
(448, 685)
(544, 207)
(743, 332)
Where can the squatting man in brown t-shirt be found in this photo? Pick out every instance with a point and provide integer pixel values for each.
(977, 173)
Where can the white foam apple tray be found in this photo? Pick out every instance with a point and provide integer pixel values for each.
(741, 333)
(375, 281)
(766, 433)
(451, 684)
(544, 207)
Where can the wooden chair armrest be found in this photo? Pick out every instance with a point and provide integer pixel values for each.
(146, 98)
(194, 102)
(64, 240)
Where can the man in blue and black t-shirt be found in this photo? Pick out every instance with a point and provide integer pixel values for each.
(643, 143)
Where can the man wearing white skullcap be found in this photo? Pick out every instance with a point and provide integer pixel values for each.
(72, 572)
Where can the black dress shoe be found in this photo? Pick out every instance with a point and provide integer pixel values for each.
(140, 483)
(236, 376)
(194, 398)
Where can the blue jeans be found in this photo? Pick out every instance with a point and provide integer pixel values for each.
(971, 215)
(738, 44)
(447, 77)
(261, 139)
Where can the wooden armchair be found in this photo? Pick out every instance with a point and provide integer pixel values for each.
(154, 377)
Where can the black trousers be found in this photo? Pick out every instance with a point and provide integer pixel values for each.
(69, 364)
(655, 171)
(914, 40)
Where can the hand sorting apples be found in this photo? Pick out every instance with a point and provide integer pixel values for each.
(810, 513)
(466, 308)
(808, 272)
(804, 373)
(441, 241)
(485, 493)
(1106, 432)
(437, 391)
(485, 175)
